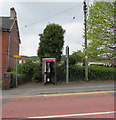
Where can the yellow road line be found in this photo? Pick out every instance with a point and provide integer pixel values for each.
(62, 94)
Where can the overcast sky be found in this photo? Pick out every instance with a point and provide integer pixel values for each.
(34, 16)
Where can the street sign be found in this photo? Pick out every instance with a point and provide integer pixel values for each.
(67, 51)
(67, 64)
(17, 56)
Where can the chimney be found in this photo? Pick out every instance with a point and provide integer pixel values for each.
(13, 14)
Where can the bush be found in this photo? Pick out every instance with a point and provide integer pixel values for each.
(61, 72)
(26, 71)
(13, 79)
(76, 72)
(72, 60)
(20, 68)
(101, 73)
(94, 73)
(27, 67)
(37, 76)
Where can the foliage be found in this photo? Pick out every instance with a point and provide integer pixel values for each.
(51, 42)
(100, 30)
(77, 73)
(20, 68)
(72, 60)
(37, 76)
(95, 73)
(101, 73)
(76, 57)
(61, 72)
(0, 83)
(13, 79)
(26, 68)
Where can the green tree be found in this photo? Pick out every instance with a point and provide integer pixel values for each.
(100, 30)
(76, 57)
(51, 42)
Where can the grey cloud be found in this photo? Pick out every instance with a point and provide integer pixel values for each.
(35, 16)
(32, 13)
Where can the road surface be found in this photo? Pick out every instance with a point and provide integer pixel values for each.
(99, 104)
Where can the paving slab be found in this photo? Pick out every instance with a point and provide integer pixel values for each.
(29, 89)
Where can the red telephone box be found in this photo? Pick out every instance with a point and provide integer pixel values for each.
(49, 70)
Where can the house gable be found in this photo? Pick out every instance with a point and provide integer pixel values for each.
(8, 24)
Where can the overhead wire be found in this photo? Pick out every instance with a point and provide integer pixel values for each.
(44, 19)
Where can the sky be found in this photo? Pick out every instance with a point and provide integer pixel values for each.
(34, 16)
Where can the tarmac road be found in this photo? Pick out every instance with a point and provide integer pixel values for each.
(76, 100)
(70, 105)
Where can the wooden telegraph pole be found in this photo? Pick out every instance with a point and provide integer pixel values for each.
(86, 51)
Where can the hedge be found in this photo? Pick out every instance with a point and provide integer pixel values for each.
(101, 73)
(61, 72)
(37, 75)
(78, 73)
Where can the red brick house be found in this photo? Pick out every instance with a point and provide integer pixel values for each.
(10, 39)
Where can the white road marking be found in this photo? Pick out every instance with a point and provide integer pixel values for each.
(74, 115)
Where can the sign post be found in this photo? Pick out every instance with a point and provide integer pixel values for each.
(86, 48)
(67, 64)
(16, 56)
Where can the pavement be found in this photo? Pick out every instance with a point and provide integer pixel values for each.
(30, 89)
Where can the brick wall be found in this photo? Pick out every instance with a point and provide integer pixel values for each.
(14, 49)
(0, 55)
(5, 36)
(14, 46)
